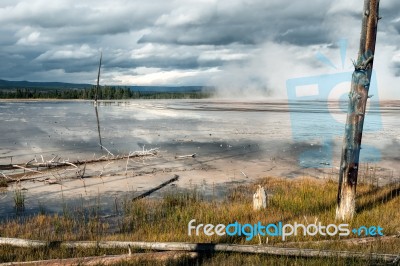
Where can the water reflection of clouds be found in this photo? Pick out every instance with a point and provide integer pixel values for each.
(15, 119)
(149, 112)
(72, 125)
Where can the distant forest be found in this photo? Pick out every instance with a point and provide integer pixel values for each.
(105, 93)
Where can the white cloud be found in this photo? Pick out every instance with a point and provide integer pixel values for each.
(157, 76)
(69, 52)
(31, 39)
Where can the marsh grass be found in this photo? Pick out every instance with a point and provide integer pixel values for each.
(303, 200)
(19, 200)
(3, 182)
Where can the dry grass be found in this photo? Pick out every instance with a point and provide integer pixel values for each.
(301, 200)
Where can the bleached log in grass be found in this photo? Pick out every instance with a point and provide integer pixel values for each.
(113, 259)
(24, 243)
(350, 241)
(180, 246)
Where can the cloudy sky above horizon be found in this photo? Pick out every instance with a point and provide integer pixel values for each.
(239, 46)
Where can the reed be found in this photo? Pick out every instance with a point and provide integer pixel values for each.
(19, 200)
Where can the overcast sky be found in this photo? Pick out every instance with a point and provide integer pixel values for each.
(236, 45)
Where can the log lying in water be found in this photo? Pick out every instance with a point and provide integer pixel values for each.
(54, 164)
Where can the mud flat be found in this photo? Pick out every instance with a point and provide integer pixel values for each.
(211, 144)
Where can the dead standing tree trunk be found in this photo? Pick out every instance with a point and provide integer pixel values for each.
(358, 97)
(95, 102)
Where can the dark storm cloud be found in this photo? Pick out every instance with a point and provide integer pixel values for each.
(198, 36)
(198, 39)
(163, 62)
(104, 17)
(243, 23)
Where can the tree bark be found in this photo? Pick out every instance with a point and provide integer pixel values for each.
(98, 80)
(358, 97)
(95, 102)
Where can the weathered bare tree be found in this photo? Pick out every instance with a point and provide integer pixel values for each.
(95, 101)
(358, 97)
(98, 79)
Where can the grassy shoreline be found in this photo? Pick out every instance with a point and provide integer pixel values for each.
(303, 200)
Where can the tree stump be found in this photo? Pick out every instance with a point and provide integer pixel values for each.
(259, 199)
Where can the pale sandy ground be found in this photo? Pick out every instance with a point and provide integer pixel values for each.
(108, 184)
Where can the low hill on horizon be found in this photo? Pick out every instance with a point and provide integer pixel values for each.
(10, 85)
(29, 84)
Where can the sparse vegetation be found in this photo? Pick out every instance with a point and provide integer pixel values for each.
(3, 182)
(301, 200)
(19, 200)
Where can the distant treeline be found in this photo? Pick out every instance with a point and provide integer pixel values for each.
(105, 93)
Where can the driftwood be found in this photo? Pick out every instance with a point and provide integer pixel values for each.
(186, 156)
(179, 246)
(15, 166)
(52, 182)
(112, 259)
(53, 164)
(147, 193)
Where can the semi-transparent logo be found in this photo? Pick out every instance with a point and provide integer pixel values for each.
(318, 108)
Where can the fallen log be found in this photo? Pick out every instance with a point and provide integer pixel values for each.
(112, 259)
(180, 246)
(149, 192)
(186, 156)
(54, 164)
(350, 241)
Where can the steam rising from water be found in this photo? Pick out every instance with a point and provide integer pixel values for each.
(265, 74)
